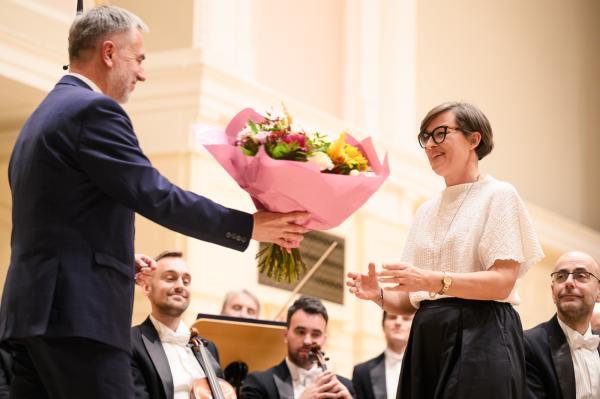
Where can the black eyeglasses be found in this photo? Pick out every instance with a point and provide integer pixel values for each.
(438, 135)
(580, 276)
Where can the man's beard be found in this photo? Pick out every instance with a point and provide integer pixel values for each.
(300, 361)
(169, 310)
(572, 313)
(117, 83)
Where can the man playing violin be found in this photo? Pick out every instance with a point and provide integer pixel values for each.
(163, 365)
(298, 376)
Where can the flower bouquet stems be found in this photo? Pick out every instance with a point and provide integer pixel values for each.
(278, 263)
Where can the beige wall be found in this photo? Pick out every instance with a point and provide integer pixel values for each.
(299, 51)
(533, 68)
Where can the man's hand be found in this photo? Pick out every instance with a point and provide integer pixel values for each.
(283, 229)
(326, 386)
(144, 267)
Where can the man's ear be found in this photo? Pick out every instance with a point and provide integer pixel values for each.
(108, 49)
(146, 289)
(475, 139)
(285, 334)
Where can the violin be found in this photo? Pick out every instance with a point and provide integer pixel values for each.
(318, 356)
(210, 387)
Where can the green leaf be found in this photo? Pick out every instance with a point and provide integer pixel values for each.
(253, 126)
(249, 152)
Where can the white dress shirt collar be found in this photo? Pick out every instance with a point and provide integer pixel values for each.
(183, 364)
(86, 80)
(576, 340)
(586, 361)
(180, 337)
(393, 364)
(302, 378)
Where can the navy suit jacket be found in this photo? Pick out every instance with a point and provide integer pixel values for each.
(77, 177)
(152, 377)
(276, 383)
(368, 379)
(550, 372)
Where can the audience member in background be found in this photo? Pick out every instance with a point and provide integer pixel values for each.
(298, 376)
(241, 304)
(562, 355)
(164, 367)
(378, 378)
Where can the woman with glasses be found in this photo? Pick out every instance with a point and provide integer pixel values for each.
(465, 251)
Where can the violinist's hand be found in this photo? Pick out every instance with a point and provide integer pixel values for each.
(144, 267)
(326, 386)
(365, 286)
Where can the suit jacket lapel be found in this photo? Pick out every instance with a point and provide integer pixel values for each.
(283, 381)
(158, 356)
(377, 374)
(561, 357)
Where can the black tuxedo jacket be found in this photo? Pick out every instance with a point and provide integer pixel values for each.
(152, 376)
(276, 383)
(77, 177)
(368, 379)
(550, 372)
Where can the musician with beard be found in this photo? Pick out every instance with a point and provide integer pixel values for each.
(163, 366)
(297, 377)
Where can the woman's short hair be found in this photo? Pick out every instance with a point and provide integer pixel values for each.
(470, 119)
(99, 23)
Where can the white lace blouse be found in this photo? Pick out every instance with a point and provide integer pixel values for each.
(467, 228)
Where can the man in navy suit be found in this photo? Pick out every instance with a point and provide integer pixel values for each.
(562, 354)
(298, 376)
(78, 176)
(378, 378)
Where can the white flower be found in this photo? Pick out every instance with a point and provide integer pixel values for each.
(243, 134)
(321, 160)
(261, 137)
(368, 173)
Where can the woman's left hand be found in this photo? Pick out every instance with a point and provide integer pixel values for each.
(407, 278)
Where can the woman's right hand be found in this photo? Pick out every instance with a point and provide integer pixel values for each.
(365, 286)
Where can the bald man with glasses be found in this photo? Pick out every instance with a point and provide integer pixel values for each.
(562, 354)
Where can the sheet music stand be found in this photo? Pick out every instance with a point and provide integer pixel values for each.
(258, 343)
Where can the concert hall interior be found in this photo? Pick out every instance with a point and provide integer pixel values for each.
(369, 67)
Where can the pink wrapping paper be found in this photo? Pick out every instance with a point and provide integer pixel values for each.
(286, 186)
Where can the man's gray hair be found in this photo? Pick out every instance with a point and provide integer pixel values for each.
(230, 294)
(99, 23)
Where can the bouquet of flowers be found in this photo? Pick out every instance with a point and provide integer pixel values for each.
(282, 167)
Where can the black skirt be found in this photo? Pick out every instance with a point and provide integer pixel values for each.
(464, 349)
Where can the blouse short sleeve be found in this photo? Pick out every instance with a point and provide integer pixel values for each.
(508, 232)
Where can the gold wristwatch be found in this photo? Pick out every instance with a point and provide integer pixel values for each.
(446, 283)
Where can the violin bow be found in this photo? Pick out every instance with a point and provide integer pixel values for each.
(306, 278)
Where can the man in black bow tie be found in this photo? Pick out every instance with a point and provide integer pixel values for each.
(562, 354)
(164, 367)
(298, 376)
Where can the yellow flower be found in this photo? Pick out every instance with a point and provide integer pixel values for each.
(336, 149)
(345, 156)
